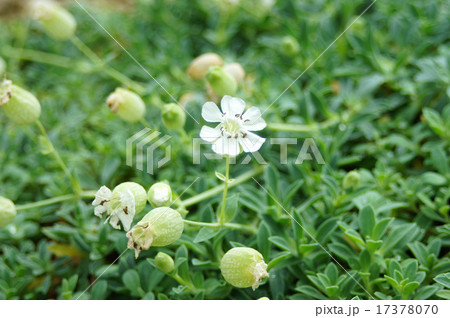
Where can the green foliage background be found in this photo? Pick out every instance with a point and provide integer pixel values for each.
(383, 89)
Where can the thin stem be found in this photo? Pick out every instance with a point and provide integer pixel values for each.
(232, 226)
(303, 128)
(145, 123)
(94, 58)
(225, 190)
(75, 183)
(62, 198)
(38, 56)
(189, 285)
(216, 190)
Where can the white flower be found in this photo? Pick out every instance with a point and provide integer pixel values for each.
(119, 207)
(234, 133)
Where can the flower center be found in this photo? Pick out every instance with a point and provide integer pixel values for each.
(231, 127)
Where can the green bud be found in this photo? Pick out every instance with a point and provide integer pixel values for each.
(173, 116)
(128, 105)
(160, 194)
(2, 67)
(243, 267)
(58, 23)
(7, 212)
(290, 46)
(201, 64)
(164, 263)
(19, 105)
(264, 298)
(222, 82)
(138, 191)
(351, 180)
(159, 227)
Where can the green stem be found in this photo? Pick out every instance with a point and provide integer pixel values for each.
(75, 183)
(232, 226)
(38, 56)
(225, 190)
(189, 285)
(216, 190)
(83, 48)
(303, 128)
(62, 198)
(145, 123)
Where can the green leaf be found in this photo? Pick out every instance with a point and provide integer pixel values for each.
(367, 220)
(131, 280)
(409, 288)
(99, 290)
(326, 229)
(220, 176)
(434, 120)
(282, 243)
(231, 207)
(399, 237)
(433, 178)
(381, 228)
(311, 292)
(263, 241)
(443, 279)
(205, 234)
(445, 294)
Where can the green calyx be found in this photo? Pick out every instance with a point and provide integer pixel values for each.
(160, 194)
(222, 82)
(21, 107)
(164, 263)
(57, 22)
(138, 191)
(7, 212)
(126, 104)
(173, 116)
(243, 267)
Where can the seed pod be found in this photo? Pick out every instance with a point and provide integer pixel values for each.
(351, 180)
(159, 227)
(243, 267)
(290, 46)
(173, 116)
(160, 194)
(221, 81)
(128, 105)
(58, 23)
(19, 105)
(138, 191)
(236, 70)
(164, 263)
(201, 64)
(7, 212)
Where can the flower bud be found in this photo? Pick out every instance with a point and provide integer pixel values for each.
(173, 116)
(290, 46)
(160, 194)
(159, 227)
(138, 191)
(19, 105)
(351, 180)
(7, 212)
(58, 23)
(235, 70)
(243, 267)
(264, 298)
(164, 263)
(2, 66)
(221, 81)
(128, 105)
(201, 64)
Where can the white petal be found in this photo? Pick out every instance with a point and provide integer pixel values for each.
(99, 210)
(251, 142)
(253, 120)
(209, 134)
(237, 106)
(114, 221)
(211, 113)
(227, 146)
(127, 209)
(225, 104)
(103, 194)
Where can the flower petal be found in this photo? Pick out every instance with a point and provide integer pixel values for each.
(253, 120)
(103, 194)
(227, 146)
(114, 221)
(100, 209)
(232, 106)
(251, 142)
(127, 209)
(211, 113)
(209, 134)
(225, 104)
